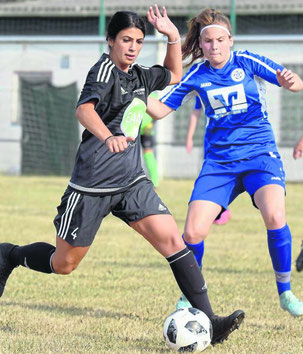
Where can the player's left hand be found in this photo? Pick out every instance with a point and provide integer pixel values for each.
(286, 78)
(118, 143)
(162, 23)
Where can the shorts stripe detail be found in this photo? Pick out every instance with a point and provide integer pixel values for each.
(66, 211)
(67, 216)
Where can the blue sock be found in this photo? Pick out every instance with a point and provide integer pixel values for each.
(197, 249)
(279, 246)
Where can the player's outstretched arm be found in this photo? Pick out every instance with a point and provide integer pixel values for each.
(91, 121)
(298, 149)
(289, 80)
(173, 58)
(156, 109)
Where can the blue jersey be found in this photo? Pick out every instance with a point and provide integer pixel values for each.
(234, 102)
(198, 104)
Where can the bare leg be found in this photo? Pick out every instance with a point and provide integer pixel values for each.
(161, 232)
(200, 217)
(66, 258)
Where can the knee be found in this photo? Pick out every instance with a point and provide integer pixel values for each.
(193, 235)
(275, 220)
(64, 266)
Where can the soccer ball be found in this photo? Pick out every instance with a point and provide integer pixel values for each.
(188, 329)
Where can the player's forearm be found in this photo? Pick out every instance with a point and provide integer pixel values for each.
(192, 123)
(91, 121)
(173, 58)
(156, 109)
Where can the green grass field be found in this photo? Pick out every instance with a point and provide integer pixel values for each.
(119, 297)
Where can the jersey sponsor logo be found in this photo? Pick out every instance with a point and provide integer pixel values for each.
(132, 118)
(140, 91)
(227, 100)
(205, 84)
(237, 75)
(161, 207)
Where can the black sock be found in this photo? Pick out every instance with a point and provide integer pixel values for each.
(36, 256)
(190, 280)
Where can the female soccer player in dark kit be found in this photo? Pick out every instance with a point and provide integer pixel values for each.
(108, 176)
(241, 152)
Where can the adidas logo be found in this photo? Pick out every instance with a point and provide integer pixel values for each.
(161, 207)
(123, 92)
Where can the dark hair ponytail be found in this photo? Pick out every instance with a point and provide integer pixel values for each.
(122, 20)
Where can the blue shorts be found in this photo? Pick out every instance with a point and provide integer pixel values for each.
(221, 182)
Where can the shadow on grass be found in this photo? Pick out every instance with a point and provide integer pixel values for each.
(242, 271)
(72, 311)
(135, 264)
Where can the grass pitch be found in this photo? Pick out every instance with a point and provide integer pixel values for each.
(118, 298)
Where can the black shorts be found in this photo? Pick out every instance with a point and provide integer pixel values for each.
(80, 215)
(147, 141)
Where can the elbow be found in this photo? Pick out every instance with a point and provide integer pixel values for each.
(79, 111)
(175, 78)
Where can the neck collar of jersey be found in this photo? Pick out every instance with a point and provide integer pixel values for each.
(129, 73)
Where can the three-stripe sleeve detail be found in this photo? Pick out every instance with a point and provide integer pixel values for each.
(105, 70)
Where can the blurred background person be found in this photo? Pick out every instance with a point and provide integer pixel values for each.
(297, 154)
(148, 142)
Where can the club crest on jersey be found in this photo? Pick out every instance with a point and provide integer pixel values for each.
(238, 75)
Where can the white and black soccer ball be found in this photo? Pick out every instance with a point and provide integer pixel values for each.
(188, 330)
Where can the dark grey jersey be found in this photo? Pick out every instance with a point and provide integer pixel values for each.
(120, 101)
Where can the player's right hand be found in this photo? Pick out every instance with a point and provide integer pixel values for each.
(298, 149)
(118, 143)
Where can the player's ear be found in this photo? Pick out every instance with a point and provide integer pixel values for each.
(110, 42)
(200, 42)
(231, 39)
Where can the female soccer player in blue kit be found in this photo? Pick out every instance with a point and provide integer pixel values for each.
(241, 151)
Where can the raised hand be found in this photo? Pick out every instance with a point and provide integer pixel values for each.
(162, 23)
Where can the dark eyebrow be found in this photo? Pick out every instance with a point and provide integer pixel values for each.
(128, 37)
